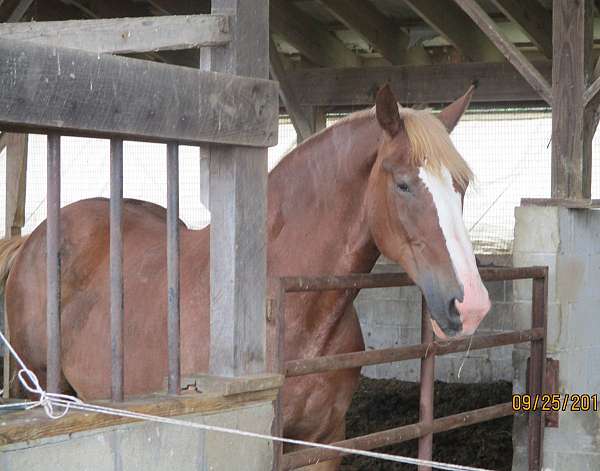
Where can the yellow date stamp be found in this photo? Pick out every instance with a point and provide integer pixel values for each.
(555, 402)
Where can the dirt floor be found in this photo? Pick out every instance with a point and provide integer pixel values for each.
(380, 404)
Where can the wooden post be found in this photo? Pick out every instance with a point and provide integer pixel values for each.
(571, 70)
(238, 205)
(14, 216)
(318, 118)
(298, 116)
(16, 173)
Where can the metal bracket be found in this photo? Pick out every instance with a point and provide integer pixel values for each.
(550, 387)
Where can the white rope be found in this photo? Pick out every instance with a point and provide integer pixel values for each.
(49, 400)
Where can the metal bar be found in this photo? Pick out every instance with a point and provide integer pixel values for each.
(116, 268)
(427, 385)
(537, 372)
(309, 456)
(389, 355)
(174, 381)
(53, 264)
(275, 356)
(383, 280)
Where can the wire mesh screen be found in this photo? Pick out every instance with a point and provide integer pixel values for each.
(508, 149)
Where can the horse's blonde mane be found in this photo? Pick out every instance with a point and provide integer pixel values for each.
(431, 146)
(430, 143)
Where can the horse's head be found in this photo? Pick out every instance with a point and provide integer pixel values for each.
(414, 203)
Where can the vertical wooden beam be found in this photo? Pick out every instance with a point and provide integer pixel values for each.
(591, 118)
(53, 343)
(204, 150)
(300, 120)
(571, 69)
(16, 175)
(238, 204)
(318, 118)
(16, 184)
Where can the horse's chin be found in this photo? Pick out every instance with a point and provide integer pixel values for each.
(439, 333)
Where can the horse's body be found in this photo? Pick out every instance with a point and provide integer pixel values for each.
(318, 223)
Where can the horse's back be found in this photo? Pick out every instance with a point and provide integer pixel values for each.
(85, 294)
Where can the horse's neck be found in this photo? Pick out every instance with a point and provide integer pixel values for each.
(317, 216)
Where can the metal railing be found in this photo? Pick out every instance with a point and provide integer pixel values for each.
(426, 351)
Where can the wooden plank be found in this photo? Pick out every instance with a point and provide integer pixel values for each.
(452, 23)
(534, 20)
(124, 35)
(537, 81)
(76, 92)
(591, 91)
(16, 173)
(563, 202)
(19, 12)
(299, 118)
(571, 157)
(440, 83)
(591, 118)
(181, 7)
(376, 29)
(312, 41)
(238, 207)
(225, 386)
(33, 425)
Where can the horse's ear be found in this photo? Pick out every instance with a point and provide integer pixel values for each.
(386, 109)
(454, 111)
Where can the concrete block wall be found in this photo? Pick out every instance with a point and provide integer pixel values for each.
(153, 447)
(391, 317)
(568, 242)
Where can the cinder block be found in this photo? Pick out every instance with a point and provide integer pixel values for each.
(577, 461)
(522, 288)
(520, 459)
(495, 290)
(536, 229)
(571, 272)
(379, 336)
(521, 315)
(582, 320)
(500, 318)
(508, 291)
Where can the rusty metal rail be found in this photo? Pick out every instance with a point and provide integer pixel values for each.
(427, 350)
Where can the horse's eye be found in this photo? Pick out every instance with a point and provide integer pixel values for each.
(402, 187)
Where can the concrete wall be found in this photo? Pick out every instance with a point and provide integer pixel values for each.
(392, 317)
(568, 241)
(150, 446)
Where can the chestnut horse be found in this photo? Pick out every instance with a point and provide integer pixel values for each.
(385, 180)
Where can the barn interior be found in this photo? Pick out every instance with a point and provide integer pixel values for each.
(525, 56)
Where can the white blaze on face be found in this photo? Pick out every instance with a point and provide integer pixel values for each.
(447, 200)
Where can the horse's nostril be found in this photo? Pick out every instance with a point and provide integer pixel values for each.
(454, 316)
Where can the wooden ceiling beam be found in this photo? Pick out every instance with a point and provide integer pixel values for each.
(312, 41)
(440, 83)
(534, 20)
(299, 118)
(376, 29)
(19, 12)
(537, 81)
(180, 7)
(452, 23)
